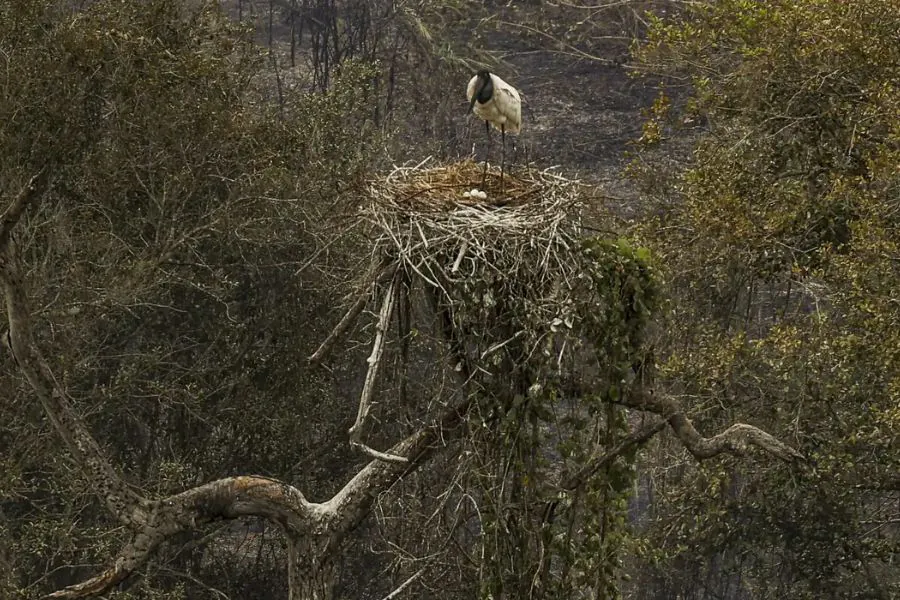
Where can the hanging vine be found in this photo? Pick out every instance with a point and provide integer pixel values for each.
(546, 328)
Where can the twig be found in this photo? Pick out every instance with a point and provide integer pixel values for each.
(404, 585)
(499, 345)
(369, 451)
(349, 317)
(459, 257)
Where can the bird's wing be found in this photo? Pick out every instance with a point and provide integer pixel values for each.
(513, 104)
(512, 92)
(512, 96)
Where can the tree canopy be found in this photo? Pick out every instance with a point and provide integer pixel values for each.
(779, 239)
(211, 264)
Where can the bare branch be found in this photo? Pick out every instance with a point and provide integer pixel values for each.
(227, 498)
(29, 192)
(374, 360)
(126, 505)
(271, 499)
(404, 585)
(378, 274)
(735, 440)
(369, 451)
(341, 328)
(352, 503)
(132, 557)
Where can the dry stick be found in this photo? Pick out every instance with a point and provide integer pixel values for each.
(378, 455)
(374, 360)
(459, 257)
(349, 317)
(499, 345)
(404, 585)
(403, 329)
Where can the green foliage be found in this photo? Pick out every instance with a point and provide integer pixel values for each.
(779, 242)
(626, 276)
(565, 375)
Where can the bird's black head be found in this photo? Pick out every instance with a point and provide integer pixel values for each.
(484, 89)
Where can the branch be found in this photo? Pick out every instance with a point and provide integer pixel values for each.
(597, 462)
(130, 558)
(353, 502)
(735, 440)
(126, 505)
(279, 502)
(378, 274)
(369, 451)
(404, 585)
(341, 328)
(29, 192)
(374, 360)
(227, 498)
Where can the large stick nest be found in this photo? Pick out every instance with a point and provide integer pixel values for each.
(507, 264)
(427, 218)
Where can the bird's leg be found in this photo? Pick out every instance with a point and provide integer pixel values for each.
(487, 129)
(502, 155)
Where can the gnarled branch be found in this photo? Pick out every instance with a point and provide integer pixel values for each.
(735, 440)
(130, 558)
(227, 498)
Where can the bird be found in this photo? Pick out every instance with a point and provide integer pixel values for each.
(499, 104)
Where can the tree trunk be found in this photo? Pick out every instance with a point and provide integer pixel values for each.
(311, 571)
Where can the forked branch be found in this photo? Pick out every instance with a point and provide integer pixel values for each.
(378, 273)
(227, 498)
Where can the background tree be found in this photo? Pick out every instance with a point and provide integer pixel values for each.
(778, 237)
(176, 242)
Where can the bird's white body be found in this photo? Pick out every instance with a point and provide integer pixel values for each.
(503, 110)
